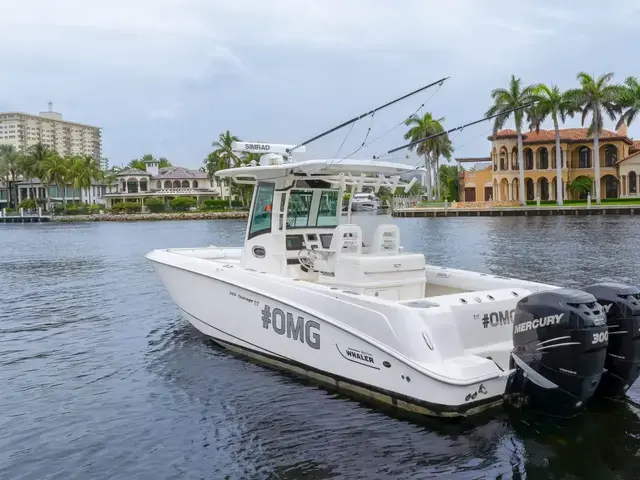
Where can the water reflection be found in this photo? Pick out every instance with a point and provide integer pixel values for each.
(103, 379)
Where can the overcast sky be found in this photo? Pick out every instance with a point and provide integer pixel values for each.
(167, 76)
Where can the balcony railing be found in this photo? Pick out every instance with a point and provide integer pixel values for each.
(172, 191)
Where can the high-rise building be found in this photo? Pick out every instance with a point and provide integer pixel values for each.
(68, 138)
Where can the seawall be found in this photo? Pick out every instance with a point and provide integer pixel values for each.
(140, 217)
(518, 211)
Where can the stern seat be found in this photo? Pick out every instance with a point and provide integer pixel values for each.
(382, 272)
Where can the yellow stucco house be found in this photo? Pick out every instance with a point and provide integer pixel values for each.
(497, 176)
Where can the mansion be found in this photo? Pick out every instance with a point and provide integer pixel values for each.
(132, 185)
(499, 180)
(167, 183)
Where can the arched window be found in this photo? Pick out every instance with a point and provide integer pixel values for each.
(176, 184)
(167, 184)
(633, 185)
(610, 155)
(584, 157)
(503, 158)
(158, 184)
(543, 158)
(195, 184)
(528, 159)
(185, 183)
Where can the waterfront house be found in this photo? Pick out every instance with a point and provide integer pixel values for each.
(4, 195)
(166, 183)
(35, 189)
(496, 177)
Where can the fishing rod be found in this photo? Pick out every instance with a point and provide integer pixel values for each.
(371, 112)
(435, 135)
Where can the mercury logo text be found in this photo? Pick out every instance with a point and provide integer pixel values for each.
(495, 319)
(304, 330)
(538, 322)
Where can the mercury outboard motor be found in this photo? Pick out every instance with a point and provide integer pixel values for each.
(621, 304)
(560, 342)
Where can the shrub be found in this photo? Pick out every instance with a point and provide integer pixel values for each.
(155, 204)
(182, 204)
(215, 204)
(126, 207)
(219, 204)
(28, 204)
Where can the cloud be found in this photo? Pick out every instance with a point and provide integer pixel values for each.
(286, 69)
(166, 113)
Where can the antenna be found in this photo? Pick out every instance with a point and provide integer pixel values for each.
(50, 106)
(370, 112)
(461, 127)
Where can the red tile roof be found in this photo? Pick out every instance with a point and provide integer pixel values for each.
(635, 147)
(566, 135)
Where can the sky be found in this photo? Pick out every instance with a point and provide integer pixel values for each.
(166, 77)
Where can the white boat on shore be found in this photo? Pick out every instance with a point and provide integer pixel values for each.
(316, 293)
(365, 201)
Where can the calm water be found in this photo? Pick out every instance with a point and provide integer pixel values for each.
(100, 377)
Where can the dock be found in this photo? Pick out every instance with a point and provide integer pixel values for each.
(517, 211)
(22, 217)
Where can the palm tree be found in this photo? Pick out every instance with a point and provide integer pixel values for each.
(164, 163)
(630, 101)
(76, 175)
(551, 102)
(36, 155)
(55, 171)
(422, 127)
(10, 169)
(224, 156)
(89, 173)
(440, 147)
(596, 96)
(504, 99)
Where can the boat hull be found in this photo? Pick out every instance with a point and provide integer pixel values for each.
(281, 334)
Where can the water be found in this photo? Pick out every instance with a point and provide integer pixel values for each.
(100, 377)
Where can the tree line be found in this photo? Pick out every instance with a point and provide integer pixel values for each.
(42, 163)
(594, 99)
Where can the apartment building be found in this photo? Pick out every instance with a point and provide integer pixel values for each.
(68, 138)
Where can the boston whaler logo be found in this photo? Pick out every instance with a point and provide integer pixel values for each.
(300, 329)
(358, 356)
(538, 323)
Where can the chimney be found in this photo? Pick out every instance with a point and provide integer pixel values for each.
(152, 167)
(622, 131)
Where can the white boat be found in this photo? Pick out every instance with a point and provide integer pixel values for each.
(316, 293)
(365, 201)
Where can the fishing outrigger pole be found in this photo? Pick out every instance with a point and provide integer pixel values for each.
(370, 112)
(461, 127)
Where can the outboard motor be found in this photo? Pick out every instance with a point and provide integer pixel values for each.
(560, 341)
(621, 304)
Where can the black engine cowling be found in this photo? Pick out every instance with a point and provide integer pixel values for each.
(560, 340)
(621, 304)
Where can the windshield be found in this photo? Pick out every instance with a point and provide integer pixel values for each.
(313, 208)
